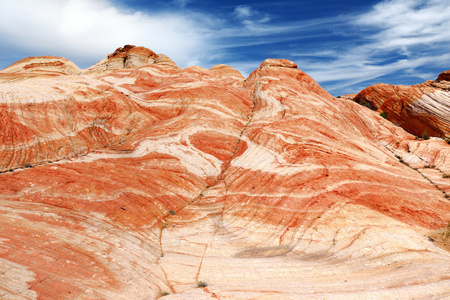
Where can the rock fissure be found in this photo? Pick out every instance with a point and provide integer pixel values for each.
(401, 160)
(158, 262)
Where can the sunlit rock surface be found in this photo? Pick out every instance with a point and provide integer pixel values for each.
(132, 181)
(422, 109)
(43, 65)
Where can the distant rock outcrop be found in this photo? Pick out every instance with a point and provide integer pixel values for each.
(444, 76)
(43, 65)
(422, 109)
(130, 57)
(135, 178)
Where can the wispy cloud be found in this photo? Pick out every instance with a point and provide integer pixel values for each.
(404, 38)
(250, 17)
(345, 75)
(243, 12)
(405, 23)
(394, 36)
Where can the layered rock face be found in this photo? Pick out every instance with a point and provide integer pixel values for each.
(143, 179)
(43, 65)
(422, 109)
(444, 76)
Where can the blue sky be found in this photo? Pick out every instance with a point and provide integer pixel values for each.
(344, 45)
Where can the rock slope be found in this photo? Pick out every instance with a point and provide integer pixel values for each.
(421, 109)
(140, 179)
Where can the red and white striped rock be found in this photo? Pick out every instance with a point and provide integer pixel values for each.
(43, 65)
(131, 183)
(422, 109)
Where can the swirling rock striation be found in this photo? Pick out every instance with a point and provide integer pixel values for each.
(140, 179)
(43, 65)
(421, 109)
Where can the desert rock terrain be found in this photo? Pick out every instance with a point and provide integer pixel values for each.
(136, 179)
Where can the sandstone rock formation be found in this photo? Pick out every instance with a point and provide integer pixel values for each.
(129, 57)
(444, 76)
(43, 65)
(422, 109)
(144, 180)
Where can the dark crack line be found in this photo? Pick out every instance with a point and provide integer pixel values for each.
(446, 196)
(158, 262)
(220, 177)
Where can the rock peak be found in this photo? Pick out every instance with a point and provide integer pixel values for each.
(444, 76)
(127, 50)
(130, 57)
(121, 51)
(280, 63)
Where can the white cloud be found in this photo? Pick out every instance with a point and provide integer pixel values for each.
(85, 31)
(406, 23)
(250, 18)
